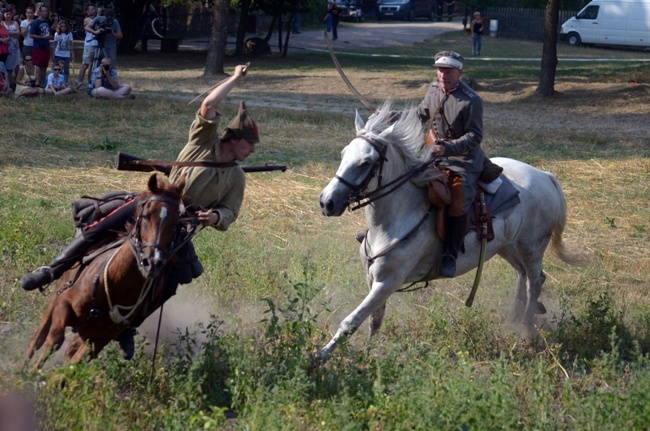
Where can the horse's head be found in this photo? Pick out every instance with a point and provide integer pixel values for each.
(362, 161)
(157, 216)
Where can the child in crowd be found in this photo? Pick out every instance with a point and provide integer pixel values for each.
(56, 82)
(63, 47)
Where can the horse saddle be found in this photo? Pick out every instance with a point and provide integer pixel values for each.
(500, 195)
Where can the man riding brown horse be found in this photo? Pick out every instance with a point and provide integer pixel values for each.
(218, 192)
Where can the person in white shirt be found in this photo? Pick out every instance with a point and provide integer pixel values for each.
(63, 47)
(28, 42)
(90, 48)
(56, 82)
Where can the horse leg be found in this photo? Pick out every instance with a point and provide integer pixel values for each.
(510, 255)
(375, 300)
(61, 314)
(40, 335)
(376, 319)
(73, 346)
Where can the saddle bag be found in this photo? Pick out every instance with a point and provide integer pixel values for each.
(89, 209)
(438, 188)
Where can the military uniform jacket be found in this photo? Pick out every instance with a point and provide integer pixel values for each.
(217, 189)
(463, 111)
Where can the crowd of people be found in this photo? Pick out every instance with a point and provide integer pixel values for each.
(37, 50)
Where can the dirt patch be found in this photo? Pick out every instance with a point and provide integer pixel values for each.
(615, 111)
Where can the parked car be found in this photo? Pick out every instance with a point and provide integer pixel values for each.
(610, 22)
(405, 9)
(351, 10)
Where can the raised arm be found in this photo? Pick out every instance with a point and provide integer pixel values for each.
(209, 105)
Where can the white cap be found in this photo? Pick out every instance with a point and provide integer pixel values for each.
(449, 59)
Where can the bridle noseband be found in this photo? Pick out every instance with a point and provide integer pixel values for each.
(135, 243)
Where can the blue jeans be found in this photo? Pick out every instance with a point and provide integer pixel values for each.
(477, 41)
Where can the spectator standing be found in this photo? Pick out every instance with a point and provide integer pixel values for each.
(13, 29)
(5, 40)
(334, 13)
(28, 42)
(63, 47)
(90, 47)
(27, 79)
(450, 8)
(56, 82)
(41, 30)
(107, 31)
(105, 84)
(477, 33)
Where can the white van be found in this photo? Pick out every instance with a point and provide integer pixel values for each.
(610, 22)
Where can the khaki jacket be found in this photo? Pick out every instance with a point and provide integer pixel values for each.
(215, 189)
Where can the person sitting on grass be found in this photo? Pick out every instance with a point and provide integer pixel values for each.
(5, 89)
(27, 79)
(56, 82)
(105, 84)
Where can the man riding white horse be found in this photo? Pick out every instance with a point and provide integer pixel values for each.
(454, 112)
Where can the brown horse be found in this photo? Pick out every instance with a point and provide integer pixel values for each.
(102, 299)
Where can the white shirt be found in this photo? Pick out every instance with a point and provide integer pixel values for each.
(27, 41)
(63, 45)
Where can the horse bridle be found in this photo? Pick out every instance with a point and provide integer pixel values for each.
(135, 243)
(359, 197)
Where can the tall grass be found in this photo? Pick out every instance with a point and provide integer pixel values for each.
(238, 341)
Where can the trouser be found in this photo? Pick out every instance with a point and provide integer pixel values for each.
(95, 232)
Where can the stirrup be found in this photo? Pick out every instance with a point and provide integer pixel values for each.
(448, 266)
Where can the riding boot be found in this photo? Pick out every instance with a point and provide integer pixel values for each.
(127, 342)
(456, 230)
(61, 263)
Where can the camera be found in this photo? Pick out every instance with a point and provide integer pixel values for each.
(32, 83)
(103, 27)
(106, 67)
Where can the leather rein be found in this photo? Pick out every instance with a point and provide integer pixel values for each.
(361, 199)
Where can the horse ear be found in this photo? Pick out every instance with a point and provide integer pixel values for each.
(358, 121)
(388, 131)
(153, 183)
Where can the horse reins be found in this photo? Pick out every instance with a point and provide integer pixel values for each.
(357, 194)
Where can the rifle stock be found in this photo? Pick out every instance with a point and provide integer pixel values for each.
(127, 162)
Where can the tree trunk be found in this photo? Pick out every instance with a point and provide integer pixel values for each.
(546, 85)
(285, 48)
(241, 29)
(279, 15)
(218, 38)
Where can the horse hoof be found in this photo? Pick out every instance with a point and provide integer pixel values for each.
(538, 308)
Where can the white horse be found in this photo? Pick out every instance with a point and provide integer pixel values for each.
(402, 246)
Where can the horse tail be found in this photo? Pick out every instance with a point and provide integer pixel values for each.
(558, 247)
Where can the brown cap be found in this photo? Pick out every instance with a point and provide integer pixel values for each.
(242, 127)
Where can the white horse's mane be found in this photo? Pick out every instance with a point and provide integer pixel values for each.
(404, 132)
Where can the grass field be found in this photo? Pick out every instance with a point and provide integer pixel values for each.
(237, 342)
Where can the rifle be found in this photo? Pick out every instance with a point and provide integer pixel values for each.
(127, 162)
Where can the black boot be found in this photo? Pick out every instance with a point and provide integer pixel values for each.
(64, 261)
(456, 230)
(127, 343)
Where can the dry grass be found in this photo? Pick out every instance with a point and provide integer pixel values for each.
(593, 136)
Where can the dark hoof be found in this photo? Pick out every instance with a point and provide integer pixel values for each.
(127, 343)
